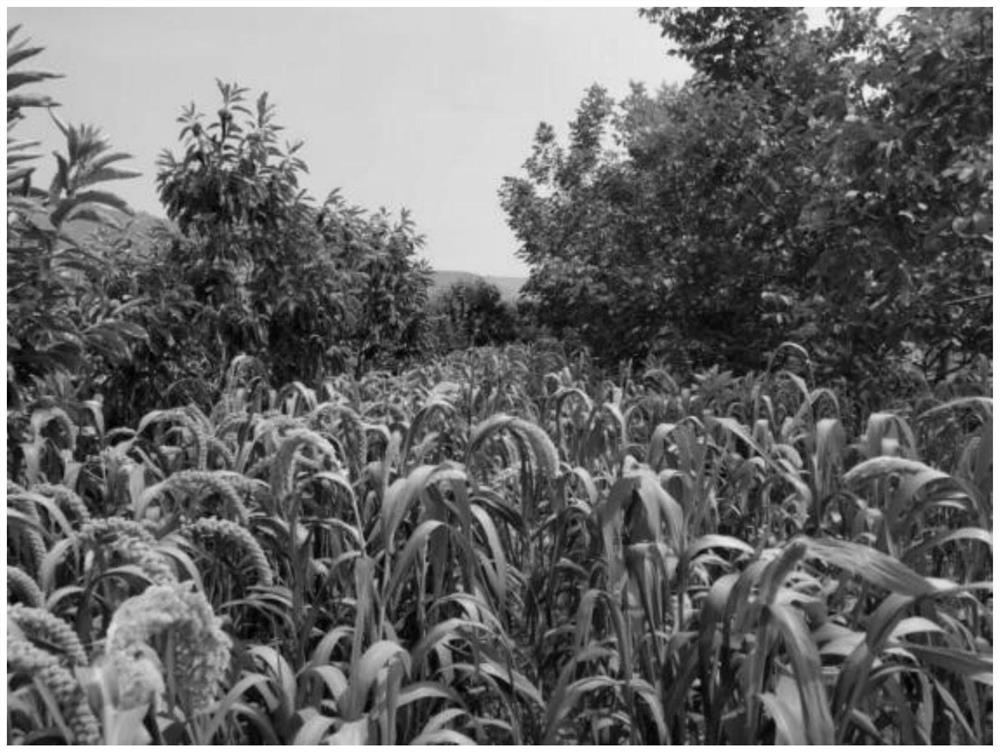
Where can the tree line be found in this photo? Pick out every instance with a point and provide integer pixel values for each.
(827, 186)
(248, 265)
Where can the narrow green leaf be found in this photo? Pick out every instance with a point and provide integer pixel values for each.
(871, 565)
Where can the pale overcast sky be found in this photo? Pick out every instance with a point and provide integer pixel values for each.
(420, 108)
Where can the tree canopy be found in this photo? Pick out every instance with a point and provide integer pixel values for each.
(248, 265)
(831, 186)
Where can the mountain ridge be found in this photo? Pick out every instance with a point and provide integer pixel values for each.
(508, 286)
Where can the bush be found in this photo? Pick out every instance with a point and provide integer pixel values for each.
(471, 313)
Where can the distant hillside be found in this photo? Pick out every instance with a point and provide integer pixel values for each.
(139, 229)
(509, 286)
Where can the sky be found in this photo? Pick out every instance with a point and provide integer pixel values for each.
(426, 109)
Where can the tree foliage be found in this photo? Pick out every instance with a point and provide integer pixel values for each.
(829, 185)
(247, 265)
(305, 289)
(60, 318)
(725, 45)
(388, 284)
(471, 313)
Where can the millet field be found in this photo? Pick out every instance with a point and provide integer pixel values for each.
(498, 548)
